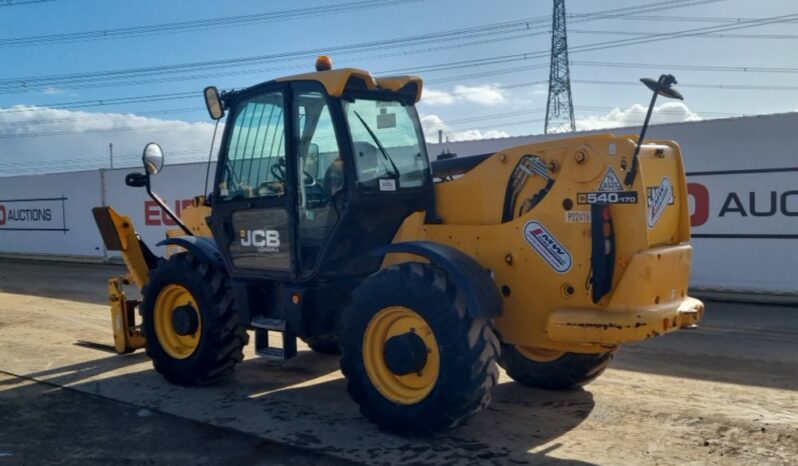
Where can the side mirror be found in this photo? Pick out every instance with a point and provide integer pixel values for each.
(663, 86)
(152, 158)
(136, 180)
(213, 102)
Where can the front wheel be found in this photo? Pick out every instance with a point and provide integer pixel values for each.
(414, 360)
(193, 333)
(552, 370)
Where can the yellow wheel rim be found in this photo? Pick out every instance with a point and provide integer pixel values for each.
(539, 354)
(403, 389)
(170, 298)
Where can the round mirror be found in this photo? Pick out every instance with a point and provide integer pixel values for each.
(152, 158)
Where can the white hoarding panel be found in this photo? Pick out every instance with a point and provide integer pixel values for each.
(176, 185)
(50, 214)
(745, 229)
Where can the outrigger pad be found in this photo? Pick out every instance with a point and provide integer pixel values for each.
(102, 217)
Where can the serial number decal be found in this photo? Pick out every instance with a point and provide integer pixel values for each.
(549, 248)
(619, 197)
(578, 216)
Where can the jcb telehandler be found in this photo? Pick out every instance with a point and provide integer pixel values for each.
(327, 222)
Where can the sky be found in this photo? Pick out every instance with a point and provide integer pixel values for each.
(79, 75)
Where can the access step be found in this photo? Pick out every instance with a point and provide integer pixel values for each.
(263, 348)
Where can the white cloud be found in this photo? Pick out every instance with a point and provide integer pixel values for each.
(433, 123)
(540, 89)
(433, 97)
(66, 140)
(489, 95)
(671, 112)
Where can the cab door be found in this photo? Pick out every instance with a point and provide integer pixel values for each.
(322, 196)
(255, 197)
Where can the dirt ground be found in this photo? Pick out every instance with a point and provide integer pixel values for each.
(725, 393)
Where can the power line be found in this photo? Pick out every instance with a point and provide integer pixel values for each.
(434, 68)
(106, 102)
(684, 33)
(462, 120)
(707, 35)
(586, 108)
(701, 19)
(526, 26)
(89, 131)
(503, 87)
(743, 69)
(198, 25)
(4, 3)
(659, 111)
(101, 117)
(765, 87)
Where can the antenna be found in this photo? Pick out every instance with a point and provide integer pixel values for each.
(560, 107)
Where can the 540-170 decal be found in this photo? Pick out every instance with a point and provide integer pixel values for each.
(614, 197)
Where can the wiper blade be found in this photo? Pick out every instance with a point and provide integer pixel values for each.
(379, 144)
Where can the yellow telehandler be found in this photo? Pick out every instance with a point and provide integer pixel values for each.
(327, 222)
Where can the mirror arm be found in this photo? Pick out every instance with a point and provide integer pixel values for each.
(166, 208)
(630, 176)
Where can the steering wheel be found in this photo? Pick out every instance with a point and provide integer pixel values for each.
(309, 180)
(278, 172)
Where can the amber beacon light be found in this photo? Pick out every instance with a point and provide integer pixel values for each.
(323, 63)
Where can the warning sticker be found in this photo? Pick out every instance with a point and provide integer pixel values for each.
(611, 182)
(551, 250)
(659, 198)
(387, 184)
(578, 216)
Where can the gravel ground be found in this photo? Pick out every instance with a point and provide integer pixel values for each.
(725, 393)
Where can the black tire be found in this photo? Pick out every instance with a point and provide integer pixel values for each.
(571, 370)
(467, 346)
(223, 333)
(324, 344)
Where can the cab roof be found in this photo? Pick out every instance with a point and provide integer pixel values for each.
(337, 80)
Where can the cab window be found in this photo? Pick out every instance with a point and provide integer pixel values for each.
(255, 162)
(389, 148)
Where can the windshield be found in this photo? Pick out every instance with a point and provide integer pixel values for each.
(389, 147)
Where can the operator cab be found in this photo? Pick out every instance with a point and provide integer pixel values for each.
(315, 171)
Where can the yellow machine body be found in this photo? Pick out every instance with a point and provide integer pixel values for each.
(544, 308)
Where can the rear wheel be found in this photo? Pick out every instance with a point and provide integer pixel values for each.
(552, 370)
(193, 333)
(415, 361)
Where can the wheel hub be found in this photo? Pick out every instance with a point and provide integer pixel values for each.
(401, 355)
(405, 354)
(177, 321)
(185, 320)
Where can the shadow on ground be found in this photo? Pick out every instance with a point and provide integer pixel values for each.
(54, 426)
(744, 344)
(303, 403)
